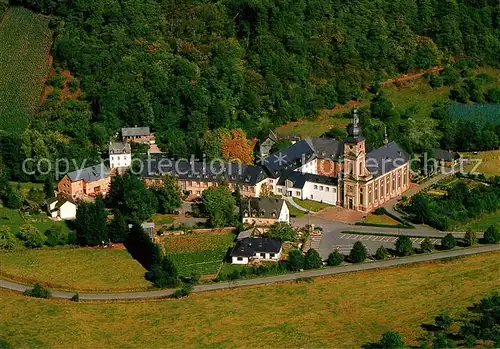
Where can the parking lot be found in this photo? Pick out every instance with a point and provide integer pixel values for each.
(343, 242)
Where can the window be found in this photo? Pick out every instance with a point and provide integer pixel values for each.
(263, 255)
(280, 190)
(320, 187)
(297, 193)
(272, 255)
(240, 258)
(315, 186)
(327, 188)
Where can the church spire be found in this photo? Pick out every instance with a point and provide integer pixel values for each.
(386, 138)
(354, 130)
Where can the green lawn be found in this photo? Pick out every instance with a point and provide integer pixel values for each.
(310, 205)
(25, 42)
(92, 269)
(14, 219)
(198, 252)
(294, 212)
(161, 219)
(343, 311)
(488, 162)
(482, 223)
(380, 219)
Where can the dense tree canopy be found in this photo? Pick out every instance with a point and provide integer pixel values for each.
(182, 67)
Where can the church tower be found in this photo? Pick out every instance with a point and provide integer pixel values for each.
(356, 175)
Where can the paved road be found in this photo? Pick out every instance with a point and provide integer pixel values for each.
(268, 280)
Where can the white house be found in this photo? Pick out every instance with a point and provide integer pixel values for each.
(62, 207)
(306, 186)
(264, 211)
(256, 249)
(120, 155)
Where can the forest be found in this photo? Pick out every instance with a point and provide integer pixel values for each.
(187, 66)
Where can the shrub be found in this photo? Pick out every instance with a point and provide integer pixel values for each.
(31, 236)
(404, 246)
(435, 81)
(381, 253)
(76, 297)
(38, 292)
(470, 238)
(380, 211)
(391, 340)
(404, 198)
(492, 235)
(449, 242)
(358, 253)
(312, 260)
(182, 292)
(427, 245)
(335, 258)
(7, 238)
(444, 321)
(56, 235)
(295, 260)
(282, 231)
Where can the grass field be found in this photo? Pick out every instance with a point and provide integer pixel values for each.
(380, 219)
(310, 205)
(163, 218)
(490, 162)
(75, 268)
(198, 252)
(344, 311)
(482, 223)
(25, 42)
(14, 219)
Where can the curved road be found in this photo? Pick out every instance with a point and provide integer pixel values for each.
(262, 281)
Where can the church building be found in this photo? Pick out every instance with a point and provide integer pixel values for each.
(340, 172)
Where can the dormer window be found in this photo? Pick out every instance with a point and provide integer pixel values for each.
(274, 214)
(245, 213)
(262, 213)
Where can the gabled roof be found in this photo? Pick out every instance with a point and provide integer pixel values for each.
(299, 179)
(289, 158)
(203, 171)
(385, 159)
(250, 246)
(326, 148)
(89, 174)
(262, 207)
(118, 148)
(135, 131)
(60, 200)
(446, 155)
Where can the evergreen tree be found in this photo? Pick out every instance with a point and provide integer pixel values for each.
(335, 258)
(358, 252)
(448, 242)
(90, 223)
(404, 246)
(295, 260)
(312, 260)
(118, 228)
